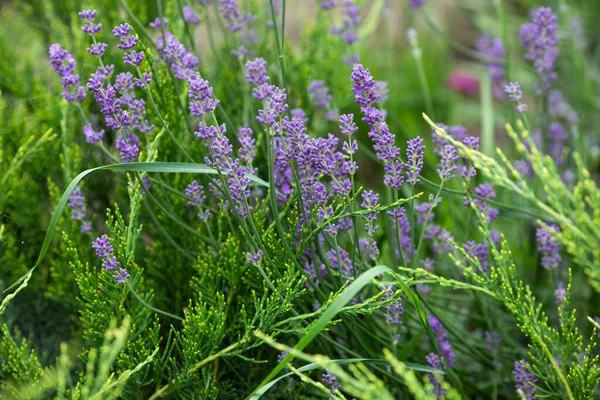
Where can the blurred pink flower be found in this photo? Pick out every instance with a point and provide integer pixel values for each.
(464, 83)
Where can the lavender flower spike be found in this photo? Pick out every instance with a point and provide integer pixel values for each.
(513, 90)
(524, 380)
(414, 157)
(540, 37)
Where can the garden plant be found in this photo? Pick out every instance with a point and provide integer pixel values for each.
(302, 199)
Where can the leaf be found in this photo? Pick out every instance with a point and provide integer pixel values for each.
(166, 167)
(334, 308)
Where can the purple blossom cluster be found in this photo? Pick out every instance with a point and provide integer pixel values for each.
(189, 16)
(540, 38)
(321, 98)
(445, 350)
(123, 112)
(414, 160)
(557, 143)
(197, 198)
(395, 310)
(370, 200)
(348, 30)
(64, 65)
(237, 21)
(524, 380)
(331, 380)
(254, 258)
(513, 90)
(174, 54)
(340, 261)
(479, 252)
(548, 247)
(219, 147)
(366, 95)
(78, 209)
(449, 159)
(201, 97)
(493, 49)
(104, 250)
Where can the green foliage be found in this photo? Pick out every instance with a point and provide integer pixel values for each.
(198, 318)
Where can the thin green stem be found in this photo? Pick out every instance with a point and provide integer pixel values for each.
(424, 84)
(160, 117)
(279, 45)
(156, 310)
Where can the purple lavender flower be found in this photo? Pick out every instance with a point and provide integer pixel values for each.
(77, 204)
(347, 125)
(189, 16)
(340, 260)
(86, 227)
(247, 150)
(129, 148)
(524, 379)
(103, 247)
(174, 54)
(90, 28)
(201, 94)
(540, 37)
(111, 263)
(493, 48)
(105, 250)
(547, 246)
(492, 341)
(134, 58)
(370, 200)
(365, 94)
(327, 4)
(230, 13)
(89, 15)
(64, 65)
(513, 90)
(256, 74)
(441, 337)
(274, 106)
(414, 160)
(486, 191)
(467, 169)
(319, 94)
(395, 310)
(445, 350)
(332, 381)
(281, 356)
(97, 49)
(122, 277)
(557, 141)
(157, 23)
(479, 252)
(122, 30)
(416, 3)
(196, 198)
(447, 163)
(195, 194)
(256, 257)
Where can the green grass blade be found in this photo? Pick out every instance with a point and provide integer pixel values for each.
(414, 299)
(334, 308)
(165, 167)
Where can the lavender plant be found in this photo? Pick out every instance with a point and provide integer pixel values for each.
(257, 206)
